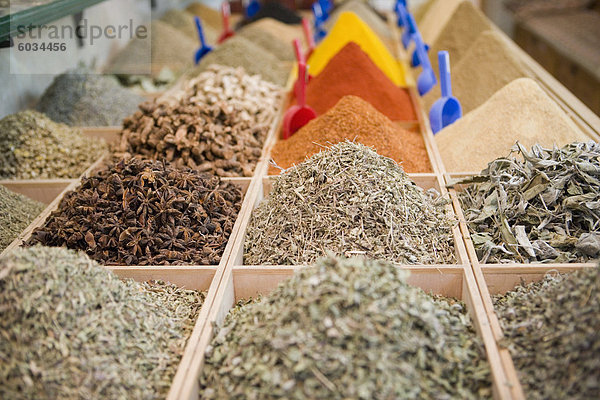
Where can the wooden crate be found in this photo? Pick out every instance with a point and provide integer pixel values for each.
(456, 281)
(500, 278)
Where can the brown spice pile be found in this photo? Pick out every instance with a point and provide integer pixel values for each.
(486, 67)
(184, 21)
(208, 15)
(269, 42)
(356, 120)
(169, 49)
(217, 124)
(462, 29)
(145, 213)
(241, 52)
(521, 111)
(283, 32)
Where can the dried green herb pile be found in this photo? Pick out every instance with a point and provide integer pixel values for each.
(349, 200)
(184, 21)
(145, 213)
(16, 213)
(217, 124)
(71, 329)
(551, 328)
(536, 206)
(32, 146)
(80, 97)
(254, 59)
(347, 328)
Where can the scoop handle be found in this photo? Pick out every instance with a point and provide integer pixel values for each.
(200, 31)
(445, 81)
(317, 13)
(298, 51)
(310, 40)
(225, 14)
(302, 86)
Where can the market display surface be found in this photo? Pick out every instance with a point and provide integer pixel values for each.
(362, 257)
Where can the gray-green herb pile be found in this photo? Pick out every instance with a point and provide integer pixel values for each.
(80, 97)
(351, 201)
(552, 330)
(16, 213)
(543, 208)
(72, 330)
(347, 328)
(32, 146)
(283, 51)
(241, 52)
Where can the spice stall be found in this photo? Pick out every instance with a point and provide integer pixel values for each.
(361, 257)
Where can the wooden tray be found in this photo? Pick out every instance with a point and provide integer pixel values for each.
(456, 281)
(500, 278)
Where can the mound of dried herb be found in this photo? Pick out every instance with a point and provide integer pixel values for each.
(139, 212)
(217, 123)
(239, 51)
(32, 146)
(551, 328)
(16, 213)
(349, 200)
(71, 329)
(347, 329)
(81, 97)
(268, 41)
(538, 206)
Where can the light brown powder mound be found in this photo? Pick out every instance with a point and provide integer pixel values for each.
(520, 111)
(353, 119)
(208, 15)
(419, 10)
(283, 32)
(462, 29)
(488, 66)
(436, 17)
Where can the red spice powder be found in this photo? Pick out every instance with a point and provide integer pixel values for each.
(351, 72)
(356, 120)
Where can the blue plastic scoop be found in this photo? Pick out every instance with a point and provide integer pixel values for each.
(426, 79)
(410, 26)
(324, 9)
(204, 48)
(252, 9)
(318, 16)
(446, 110)
(400, 9)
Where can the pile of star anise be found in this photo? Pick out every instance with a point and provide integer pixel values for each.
(138, 212)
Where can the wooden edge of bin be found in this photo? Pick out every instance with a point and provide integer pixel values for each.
(42, 190)
(455, 280)
(185, 386)
(504, 277)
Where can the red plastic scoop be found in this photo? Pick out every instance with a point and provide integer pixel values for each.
(225, 13)
(308, 35)
(299, 115)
